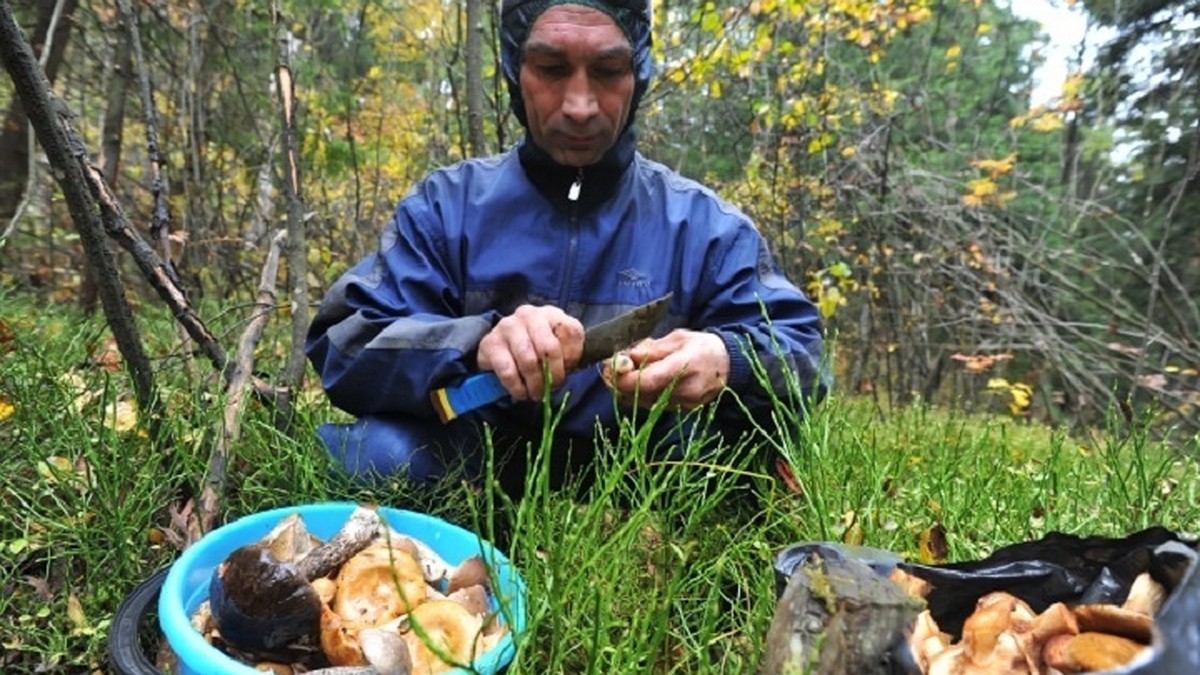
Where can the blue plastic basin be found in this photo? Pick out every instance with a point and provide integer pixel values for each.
(186, 585)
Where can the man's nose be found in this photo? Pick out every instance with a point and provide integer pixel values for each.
(579, 101)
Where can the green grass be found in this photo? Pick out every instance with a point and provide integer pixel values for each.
(666, 568)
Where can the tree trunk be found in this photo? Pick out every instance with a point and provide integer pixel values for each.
(111, 134)
(14, 135)
(475, 138)
(297, 239)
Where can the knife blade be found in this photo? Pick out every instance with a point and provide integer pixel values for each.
(599, 342)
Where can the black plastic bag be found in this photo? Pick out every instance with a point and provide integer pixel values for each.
(1057, 568)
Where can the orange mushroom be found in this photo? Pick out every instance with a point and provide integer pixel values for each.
(378, 585)
(448, 628)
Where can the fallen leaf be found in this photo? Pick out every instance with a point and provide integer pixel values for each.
(108, 357)
(41, 588)
(853, 534)
(75, 612)
(6, 409)
(6, 336)
(76, 385)
(932, 548)
(55, 468)
(788, 477)
(121, 416)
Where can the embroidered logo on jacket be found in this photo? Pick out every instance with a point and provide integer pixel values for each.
(632, 278)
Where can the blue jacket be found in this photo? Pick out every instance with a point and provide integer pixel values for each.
(473, 241)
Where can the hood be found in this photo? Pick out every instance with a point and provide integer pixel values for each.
(552, 179)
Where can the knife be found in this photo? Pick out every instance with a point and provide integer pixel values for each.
(599, 342)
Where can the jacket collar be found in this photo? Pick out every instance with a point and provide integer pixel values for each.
(597, 182)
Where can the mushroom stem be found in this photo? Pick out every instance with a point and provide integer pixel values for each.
(360, 528)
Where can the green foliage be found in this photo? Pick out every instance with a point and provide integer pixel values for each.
(665, 567)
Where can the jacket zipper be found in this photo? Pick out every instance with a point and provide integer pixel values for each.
(573, 239)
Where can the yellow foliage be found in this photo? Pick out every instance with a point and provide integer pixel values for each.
(829, 300)
(6, 409)
(1073, 86)
(1048, 122)
(982, 187)
(1020, 394)
(953, 51)
(819, 143)
(985, 191)
(996, 167)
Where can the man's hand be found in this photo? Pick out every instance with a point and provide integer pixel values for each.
(696, 363)
(522, 344)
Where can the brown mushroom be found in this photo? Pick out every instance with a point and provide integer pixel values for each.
(1031, 634)
(949, 661)
(1099, 618)
(473, 598)
(326, 588)
(448, 627)
(339, 640)
(1090, 652)
(470, 572)
(992, 616)
(913, 585)
(927, 640)
(378, 585)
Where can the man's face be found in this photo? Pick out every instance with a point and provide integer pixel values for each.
(577, 83)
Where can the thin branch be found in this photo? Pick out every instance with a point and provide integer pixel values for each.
(240, 381)
(297, 257)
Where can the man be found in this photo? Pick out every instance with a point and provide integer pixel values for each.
(500, 264)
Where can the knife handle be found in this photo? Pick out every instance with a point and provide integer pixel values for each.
(476, 391)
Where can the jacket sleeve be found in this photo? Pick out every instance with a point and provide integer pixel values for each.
(770, 328)
(391, 328)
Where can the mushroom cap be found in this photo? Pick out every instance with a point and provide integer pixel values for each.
(474, 598)
(339, 641)
(1146, 595)
(386, 651)
(1101, 618)
(927, 640)
(470, 572)
(326, 589)
(448, 626)
(1090, 652)
(377, 585)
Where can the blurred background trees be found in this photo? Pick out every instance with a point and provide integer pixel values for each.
(970, 240)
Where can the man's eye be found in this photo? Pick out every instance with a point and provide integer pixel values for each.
(552, 69)
(609, 72)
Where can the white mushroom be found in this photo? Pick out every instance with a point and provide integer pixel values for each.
(1146, 595)
(386, 651)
